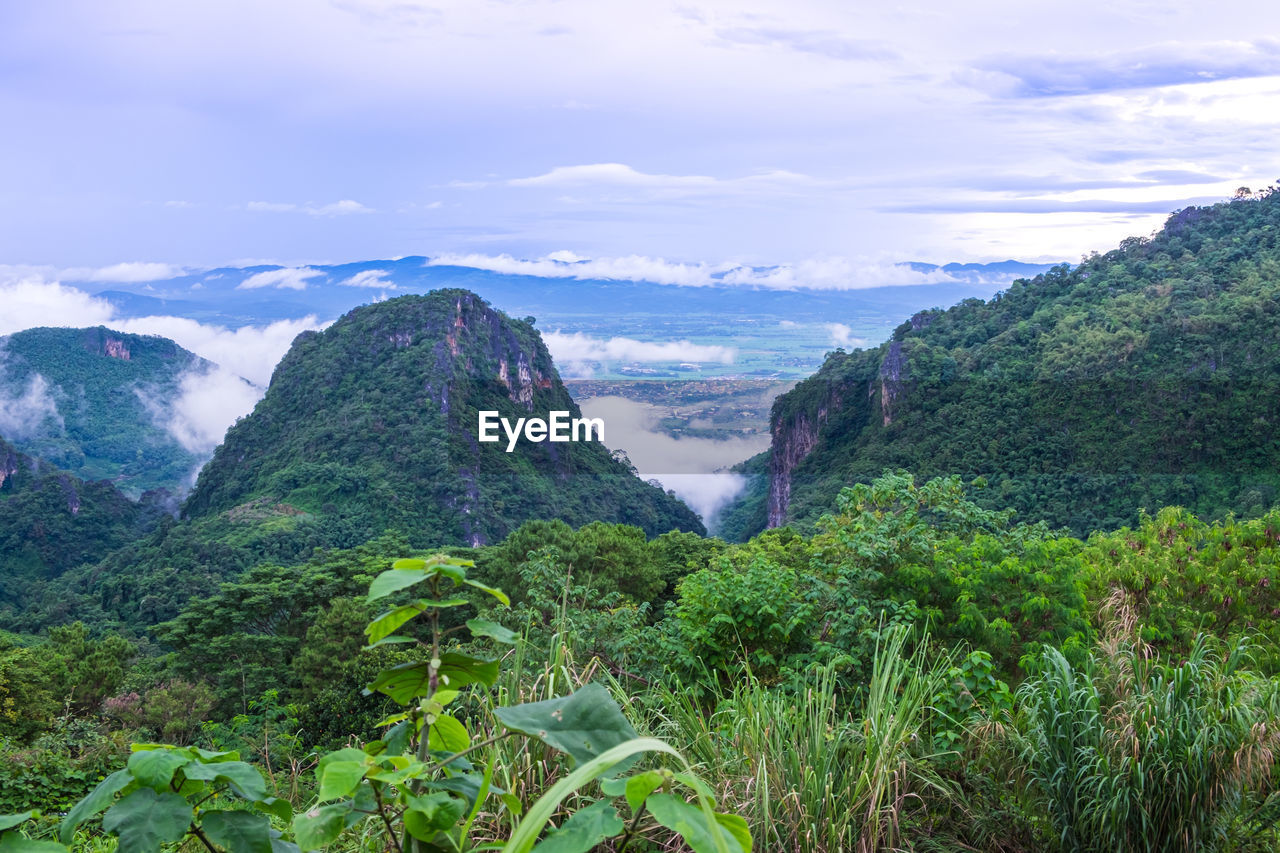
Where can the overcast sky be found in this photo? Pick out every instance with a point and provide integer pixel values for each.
(211, 131)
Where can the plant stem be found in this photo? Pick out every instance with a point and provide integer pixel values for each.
(195, 830)
(631, 828)
(391, 833)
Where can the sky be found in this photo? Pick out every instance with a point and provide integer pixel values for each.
(156, 134)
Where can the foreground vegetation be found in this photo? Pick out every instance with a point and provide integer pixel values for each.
(918, 673)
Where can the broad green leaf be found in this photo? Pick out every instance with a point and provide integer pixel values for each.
(410, 563)
(340, 778)
(397, 738)
(245, 779)
(238, 832)
(583, 830)
(394, 580)
(9, 821)
(386, 624)
(155, 767)
(144, 820)
(408, 680)
(457, 670)
(281, 808)
(513, 804)
(693, 825)
(349, 753)
(320, 826)
(12, 842)
(96, 800)
(527, 831)
(468, 785)
(427, 815)
(485, 628)
(584, 725)
(456, 573)
(362, 803)
(494, 591)
(702, 788)
(640, 786)
(448, 735)
(210, 757)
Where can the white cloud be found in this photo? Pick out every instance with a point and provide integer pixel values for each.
(832, 273)
(573, 352)
(621, 177)
(370, 278)
(249, 351)
(694, 468)
(132, 272)
(842, 335)
(210, 399)
(32, 412)
(345, 207)
(607, 173)
(287, 278)
(564, 264)
(30, 302)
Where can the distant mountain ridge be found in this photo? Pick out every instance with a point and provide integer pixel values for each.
(1145, 377)
(230, 295)
(93, 402)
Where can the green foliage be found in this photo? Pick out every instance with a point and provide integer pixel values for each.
(814, 771)
(59, 766)
(419, 369)
(418, 781)
(1137, 379)
(1131, 753)
(166, 794)
(108, 389)
(1185, 576)
(69, 673)
(893, 553)
(51, 522)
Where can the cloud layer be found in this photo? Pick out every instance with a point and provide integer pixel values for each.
(576, 353)
(828, 273)
(209, 401)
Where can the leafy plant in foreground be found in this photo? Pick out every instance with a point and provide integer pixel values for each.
(168, 794)
(420, 785)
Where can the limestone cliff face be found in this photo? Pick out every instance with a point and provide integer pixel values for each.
(792, 442)
(893, 380)
(850, 391)
(8, 463)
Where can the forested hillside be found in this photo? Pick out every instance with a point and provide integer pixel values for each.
(51, 521)
(95, 402)
(367, 427)
(1140, 378)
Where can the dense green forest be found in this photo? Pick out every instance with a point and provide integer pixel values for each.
(363, 635)
(367, 427)
(94, 401)
(1141, 378)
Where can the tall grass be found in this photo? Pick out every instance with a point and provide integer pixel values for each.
(810, 774)
(1134, 754)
